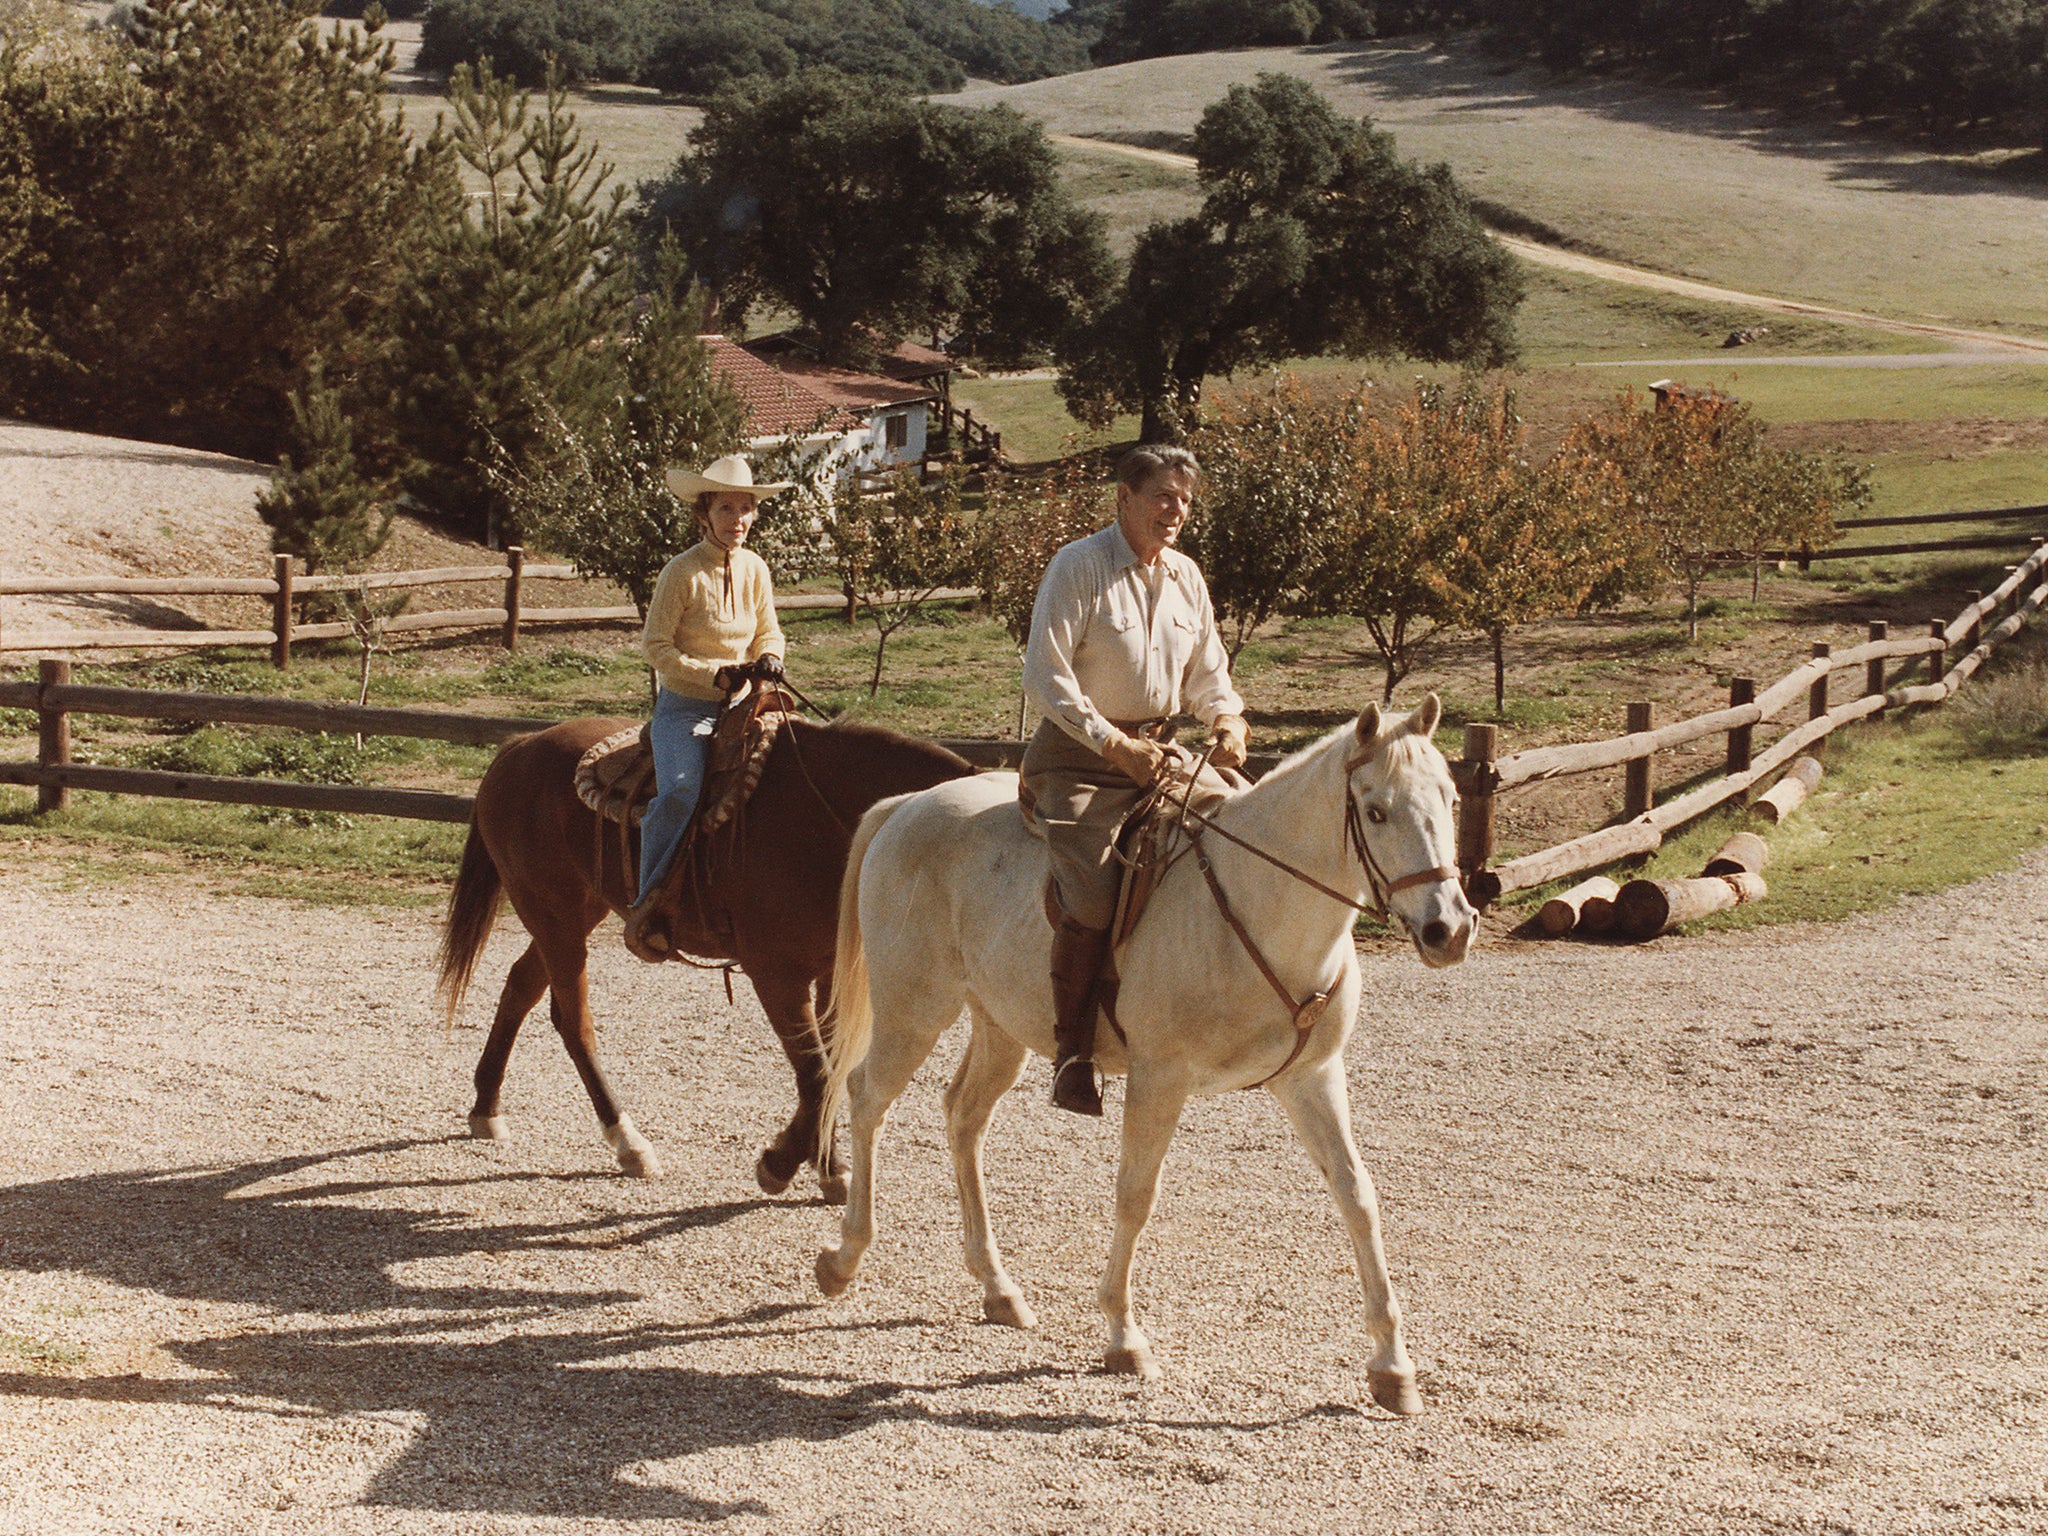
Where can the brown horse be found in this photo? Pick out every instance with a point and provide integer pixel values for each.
(532, 840)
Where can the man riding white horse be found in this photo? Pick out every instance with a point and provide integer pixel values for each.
(1123, 638)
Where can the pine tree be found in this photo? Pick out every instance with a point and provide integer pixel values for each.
(512, 314)
(224, 198)
(320, 505)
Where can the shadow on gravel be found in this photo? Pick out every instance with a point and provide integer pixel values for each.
(520, 1415)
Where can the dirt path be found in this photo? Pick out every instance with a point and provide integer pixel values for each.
(1995, 346)
(1730, 1235)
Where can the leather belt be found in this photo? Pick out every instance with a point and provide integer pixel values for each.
(1159, 728)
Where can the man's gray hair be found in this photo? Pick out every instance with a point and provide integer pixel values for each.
(1137, 468)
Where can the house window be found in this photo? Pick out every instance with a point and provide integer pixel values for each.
(896, 429)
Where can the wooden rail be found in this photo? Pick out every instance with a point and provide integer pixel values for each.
(1482, 775)
(508, 617)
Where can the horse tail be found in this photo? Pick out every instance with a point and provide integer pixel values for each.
(472, 910)
(848, 1024)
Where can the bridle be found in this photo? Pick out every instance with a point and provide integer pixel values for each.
(1307, 1012)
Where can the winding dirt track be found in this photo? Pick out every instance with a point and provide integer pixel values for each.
(1746, 1233)
(1996, 345)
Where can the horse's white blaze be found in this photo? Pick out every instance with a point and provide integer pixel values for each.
(942, 909)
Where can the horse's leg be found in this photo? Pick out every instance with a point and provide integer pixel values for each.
(1319, 1106)
(787, 1002)
(524, 984)
(987, 1072)
(569, 984)
(1151, 1112)
(902, 1039)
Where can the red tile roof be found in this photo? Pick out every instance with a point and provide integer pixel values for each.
(792, 394)
(776, 403)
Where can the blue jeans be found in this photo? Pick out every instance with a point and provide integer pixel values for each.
(681, 737)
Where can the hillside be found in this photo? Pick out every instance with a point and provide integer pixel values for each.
(1653, 176)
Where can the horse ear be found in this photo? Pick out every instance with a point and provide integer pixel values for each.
(1423, 722)
(1368, 727)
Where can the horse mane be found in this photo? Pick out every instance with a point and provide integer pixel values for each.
(1403, 744)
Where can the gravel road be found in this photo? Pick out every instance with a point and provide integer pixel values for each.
(1723, 1235)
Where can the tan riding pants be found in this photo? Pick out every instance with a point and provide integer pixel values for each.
(1080, 803)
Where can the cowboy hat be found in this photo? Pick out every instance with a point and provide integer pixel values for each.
(731, 473)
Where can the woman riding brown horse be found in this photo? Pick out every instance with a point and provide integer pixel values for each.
(532, 840)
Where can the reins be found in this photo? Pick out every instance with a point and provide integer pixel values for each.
(1307, 1012)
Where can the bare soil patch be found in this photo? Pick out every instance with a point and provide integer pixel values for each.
(1725, 1235)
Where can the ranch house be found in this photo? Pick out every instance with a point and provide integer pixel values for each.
(861, 422)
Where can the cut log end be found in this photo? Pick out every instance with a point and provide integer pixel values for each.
(1565, 911)
(1789, 793)
(1744, 853)
(1647, 908)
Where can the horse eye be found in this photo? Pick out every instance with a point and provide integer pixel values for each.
(1375, 815)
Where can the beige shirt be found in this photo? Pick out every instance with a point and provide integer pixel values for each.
(710, 609)
(1115, 640)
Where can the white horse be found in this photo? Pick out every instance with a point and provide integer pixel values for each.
(942, 908)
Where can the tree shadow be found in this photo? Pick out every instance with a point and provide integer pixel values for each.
(1473, 83)
(517, 1417)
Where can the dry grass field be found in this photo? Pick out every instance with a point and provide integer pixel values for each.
(1658, 177)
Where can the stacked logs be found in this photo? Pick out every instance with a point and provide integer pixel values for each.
(1644, 909)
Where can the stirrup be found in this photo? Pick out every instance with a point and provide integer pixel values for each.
(636, 935)
(1073, 1086)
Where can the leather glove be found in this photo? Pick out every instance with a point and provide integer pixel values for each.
(728, 679)
(1230, 740)
(1136, 759)
(768, 667)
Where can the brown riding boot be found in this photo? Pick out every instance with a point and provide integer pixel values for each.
(647, 930)
(1077, 955)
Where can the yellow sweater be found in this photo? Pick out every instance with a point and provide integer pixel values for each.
(710, 609)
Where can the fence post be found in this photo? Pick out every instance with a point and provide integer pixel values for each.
(1817, 695)
(1476, 781)
(1937, 653)
(1873, 671)
(1741, 690)
(1975, 632)
(53, 733)
(515, 573)
(1635, 792)
(281, 613)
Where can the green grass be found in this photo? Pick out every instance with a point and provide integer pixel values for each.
(1568, 318)
(1033, 419)
(1907, 807)
(1999, 392)
(239, 850)
(1130, 193)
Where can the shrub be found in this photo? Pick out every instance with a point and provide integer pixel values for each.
(586, 39)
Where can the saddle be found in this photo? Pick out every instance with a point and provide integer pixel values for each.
(615, 776)
(1148, 844)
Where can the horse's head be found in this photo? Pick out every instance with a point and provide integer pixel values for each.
(1403, 825)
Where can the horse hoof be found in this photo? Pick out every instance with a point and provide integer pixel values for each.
(832, 1188)
(766, 1177)
(1131, 1362)
(640, 1163)
(1008, 1310)
(636, 1154)
(830, 1281)
(1395, 1392)
(488, 1128)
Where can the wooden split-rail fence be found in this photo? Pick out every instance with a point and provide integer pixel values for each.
(1946, 657)
(1886, 667)
(56, 698)
(283, 587)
